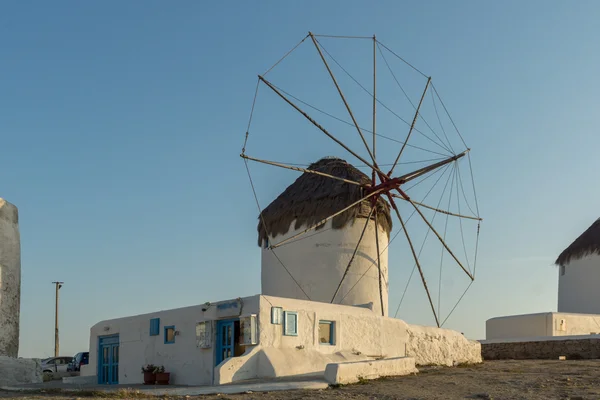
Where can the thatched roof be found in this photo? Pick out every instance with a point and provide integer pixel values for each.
(586, 244)
(312, 198)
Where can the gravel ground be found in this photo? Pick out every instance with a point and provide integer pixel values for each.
(532, 380)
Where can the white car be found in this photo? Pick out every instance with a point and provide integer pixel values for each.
(56, 364)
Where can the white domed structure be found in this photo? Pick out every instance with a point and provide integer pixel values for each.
(312, 265)
(10, 279)
(579, 274)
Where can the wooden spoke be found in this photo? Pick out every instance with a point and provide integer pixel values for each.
(412, 126)
(422, 171)
(273, 88)
(309, 171)
(438, 210)
(343, 97)
(436, 233)
(379, 265)
(412, 249)
(353, 254)
(373, 182)
(326, 219)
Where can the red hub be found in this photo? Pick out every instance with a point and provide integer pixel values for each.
(386, 186)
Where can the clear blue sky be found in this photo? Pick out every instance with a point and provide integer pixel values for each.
(122, 122)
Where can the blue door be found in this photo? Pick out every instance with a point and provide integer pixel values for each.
(225, 340)
(108, 360)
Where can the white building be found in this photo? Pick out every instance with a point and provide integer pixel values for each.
(578, 297)
(293, 328)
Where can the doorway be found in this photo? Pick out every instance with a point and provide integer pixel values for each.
(108, 360)
(228, 340)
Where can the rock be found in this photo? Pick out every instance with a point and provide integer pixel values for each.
(19, 371)
(435, 346)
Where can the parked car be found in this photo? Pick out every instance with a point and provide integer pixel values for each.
(80, 359)
(56, 364)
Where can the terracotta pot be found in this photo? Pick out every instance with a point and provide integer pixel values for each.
(162, 378)
(149, 378)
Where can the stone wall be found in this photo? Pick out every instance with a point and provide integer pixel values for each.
(572, 349)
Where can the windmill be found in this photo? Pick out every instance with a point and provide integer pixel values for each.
(380, 192)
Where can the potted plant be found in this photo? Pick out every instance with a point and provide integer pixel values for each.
(162, 377)
(149, 372)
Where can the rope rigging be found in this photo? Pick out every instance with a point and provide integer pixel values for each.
(381, 103)
(442, 252)
(426, 235)
(397, 233)
(410, 101)
(265, 227)
(362, 128)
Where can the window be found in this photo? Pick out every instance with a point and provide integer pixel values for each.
(327, 332)
(203, 334)
(276, 315)
(290, 323)
(154, 326)
(169, 334)
(562, 270)
(248, 330)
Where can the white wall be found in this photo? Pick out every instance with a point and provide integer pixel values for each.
(540, 339)
(359, 334)
(10, 279)
(357, 329)
(187, 363)
(519, 326)
(578, 288)
(318, 263)
(575, 324)
(542, 325)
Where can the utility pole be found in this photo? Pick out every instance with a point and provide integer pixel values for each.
(56, 345)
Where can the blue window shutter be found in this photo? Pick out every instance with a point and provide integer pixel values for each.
(154, 326)
(290, 323)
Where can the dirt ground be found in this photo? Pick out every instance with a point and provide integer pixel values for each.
(535, 380)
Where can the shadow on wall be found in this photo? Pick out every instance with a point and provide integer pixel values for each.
(274, 363)
(258, 365)
(238, 368)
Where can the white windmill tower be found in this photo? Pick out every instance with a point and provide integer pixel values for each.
(316, 264)
(579, 274)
